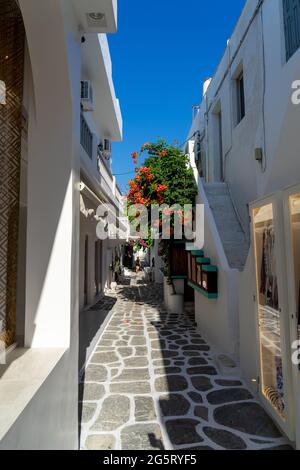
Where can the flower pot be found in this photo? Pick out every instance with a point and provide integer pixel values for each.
(176, 304)
(179, 286)
(168, 291)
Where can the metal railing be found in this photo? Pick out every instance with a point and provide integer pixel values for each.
(86, 137)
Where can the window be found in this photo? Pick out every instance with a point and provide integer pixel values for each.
(200, 155)
(291, 17)
(240, 97)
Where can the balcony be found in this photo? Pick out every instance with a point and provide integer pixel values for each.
(96, 168)
(97, 68)
(86, 137)
(106, 178)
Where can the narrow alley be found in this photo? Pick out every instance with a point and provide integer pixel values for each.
(152, 384)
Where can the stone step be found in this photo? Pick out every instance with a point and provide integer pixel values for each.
(234, 241)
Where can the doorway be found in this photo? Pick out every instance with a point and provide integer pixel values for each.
(272, 314)
(86, 269)
(98, 267)
(292, 236)
(219, 175)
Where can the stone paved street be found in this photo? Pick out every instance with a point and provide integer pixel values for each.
(152, 384)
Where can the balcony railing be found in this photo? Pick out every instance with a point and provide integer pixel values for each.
(86, 137)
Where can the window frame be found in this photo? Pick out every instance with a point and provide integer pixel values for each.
(240, 97)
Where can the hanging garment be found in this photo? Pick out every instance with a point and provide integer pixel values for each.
(268, 277)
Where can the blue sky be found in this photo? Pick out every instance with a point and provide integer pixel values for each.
(162, 52)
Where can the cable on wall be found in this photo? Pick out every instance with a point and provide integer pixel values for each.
(264, 163)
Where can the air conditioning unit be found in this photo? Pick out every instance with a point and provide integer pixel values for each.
(105, 149)
(107, 145)
(87, 99)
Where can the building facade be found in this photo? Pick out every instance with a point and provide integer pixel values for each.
(244, 149)
(58, 117)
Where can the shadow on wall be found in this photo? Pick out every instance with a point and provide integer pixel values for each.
(90, 323)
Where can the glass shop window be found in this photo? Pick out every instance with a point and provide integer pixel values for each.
(269, 314)
(295, 222)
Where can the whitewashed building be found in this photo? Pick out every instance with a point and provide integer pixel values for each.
(58, 117)
(244, 146)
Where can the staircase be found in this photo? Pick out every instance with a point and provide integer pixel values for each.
(235, 243)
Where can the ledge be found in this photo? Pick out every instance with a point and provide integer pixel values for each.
(210, 269)
(179, 277)
(21, 378)
(202, 291)
(203, 261)
(198, 253)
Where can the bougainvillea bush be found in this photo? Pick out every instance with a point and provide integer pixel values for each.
(164, 177)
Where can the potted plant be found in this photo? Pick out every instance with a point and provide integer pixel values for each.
(115, 268)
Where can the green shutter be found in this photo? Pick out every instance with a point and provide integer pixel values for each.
(291, 15)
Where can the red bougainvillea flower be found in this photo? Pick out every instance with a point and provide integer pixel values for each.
(134, 155)
(150, 177)
(188, 216)
(145, 170)
(135, 162)
(160, 198)
(168, 212)
(137, 170)
(147, 144)
(163, 153)
(161, 188)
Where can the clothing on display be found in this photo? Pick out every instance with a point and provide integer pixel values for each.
(269, 285)
(274, 397)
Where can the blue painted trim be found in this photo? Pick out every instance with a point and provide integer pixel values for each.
(203, 261)
(199, 253)
(210, 269)
(202, 291)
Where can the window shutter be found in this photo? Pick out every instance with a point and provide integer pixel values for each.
(291, 15)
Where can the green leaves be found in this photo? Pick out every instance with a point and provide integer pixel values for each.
(164, 178)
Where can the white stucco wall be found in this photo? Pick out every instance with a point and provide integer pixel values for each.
(271, 123)
(49, 419)
(217, 319)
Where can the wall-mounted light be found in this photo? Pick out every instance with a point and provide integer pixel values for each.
(96, 16)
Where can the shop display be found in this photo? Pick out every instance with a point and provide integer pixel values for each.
(269, 313)
(295, 227)
(268, 277)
